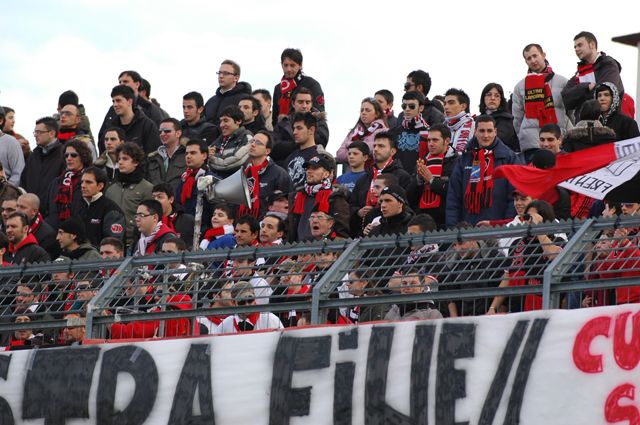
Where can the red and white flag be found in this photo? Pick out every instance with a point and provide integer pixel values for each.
(593, 172)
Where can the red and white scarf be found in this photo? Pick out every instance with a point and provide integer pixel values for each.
(321, 191)
(360, 133)
(372, 200)
(479, 190)
(188, 180)
(428, 198)
(287, 86)
(585, 74)
(253, 173)
(68, 182)
(36, 223)
(461, 126)
(538, 99)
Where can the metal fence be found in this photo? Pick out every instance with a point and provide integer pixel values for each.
(441, 274)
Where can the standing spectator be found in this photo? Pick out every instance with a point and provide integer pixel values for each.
(385, 99)
(133, 80)
(537, 100)
(130, 188)
(9, 206)
(108, 159)
(65, 198)
(318, 195)
(284, 134)
(458, 118)
(229, 92)
(372, 121)
(46, 162)
(137, 127)
(176, 219)
(395, 212)
(357, 157)
(420, 81)
(29, 204)
(412, 131)
(609, 100)
(194, 126)
(167, 164)
(305, 126)
(72, 237)
(231, 149)
(594, 68)
(493, 102)
(101, 216)
(8, 189)
(363, 198)
(428, 189)
(153, 232)
(473, 193)
(70, 127)
(145, 93)
(23, 246)
(263, 175)
(11, 156)
(253, 120)
(187, 193)
(293, 79)
(70, 97)
(264, 97)
(8, 128)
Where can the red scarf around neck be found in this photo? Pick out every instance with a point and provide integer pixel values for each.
(253, 181)
(36, 223)
(68, 182)
(321, 191)
(287, 86)
(372, 200)
(188, 180)
(480, 187)
(428, 198)
(538, 99)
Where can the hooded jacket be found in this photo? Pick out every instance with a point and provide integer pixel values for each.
(142, 131)
(625, 127)
(216, 104)
(502, 196)
(148, 109)
(235, 152)
(85, 252)
(26, 252)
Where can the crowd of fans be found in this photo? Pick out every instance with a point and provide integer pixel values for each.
(133, 189)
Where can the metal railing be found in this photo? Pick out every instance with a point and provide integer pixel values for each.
(448, 273)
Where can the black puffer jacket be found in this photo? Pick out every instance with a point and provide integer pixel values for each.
(216, 104)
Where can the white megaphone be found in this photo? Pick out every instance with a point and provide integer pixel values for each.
(234, 189)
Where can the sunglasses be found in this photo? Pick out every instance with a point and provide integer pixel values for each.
(408, 86)
(165, 130)
(244, 302)
(71, 154)
(411, 106)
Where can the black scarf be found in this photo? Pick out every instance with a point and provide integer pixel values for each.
(134, 177)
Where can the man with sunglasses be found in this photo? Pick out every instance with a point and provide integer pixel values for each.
(412, 131)
(263, 175)
(230, 91)
(167, 164)
(420, 81)
(244, 295)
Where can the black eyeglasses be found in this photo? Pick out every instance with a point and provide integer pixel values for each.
(141, 215)
(225, 73)
(71, 154)
(411, 106)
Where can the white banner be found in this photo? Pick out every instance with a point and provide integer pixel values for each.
(546, 367)
(602, 181)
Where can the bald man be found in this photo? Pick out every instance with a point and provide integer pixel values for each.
(29, 204)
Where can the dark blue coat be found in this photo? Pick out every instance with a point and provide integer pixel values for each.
(502, 202)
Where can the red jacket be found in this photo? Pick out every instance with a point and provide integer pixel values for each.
(623, 258)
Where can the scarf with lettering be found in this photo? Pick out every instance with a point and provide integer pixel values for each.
(68, 182)
(372, 200)
(321, 191)
(479, 190)
(360, 133)
(538, 99)
(287, 86)
(188, 180)
(461, 128)
(37, 221)
(430, 199)
(253, 173)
